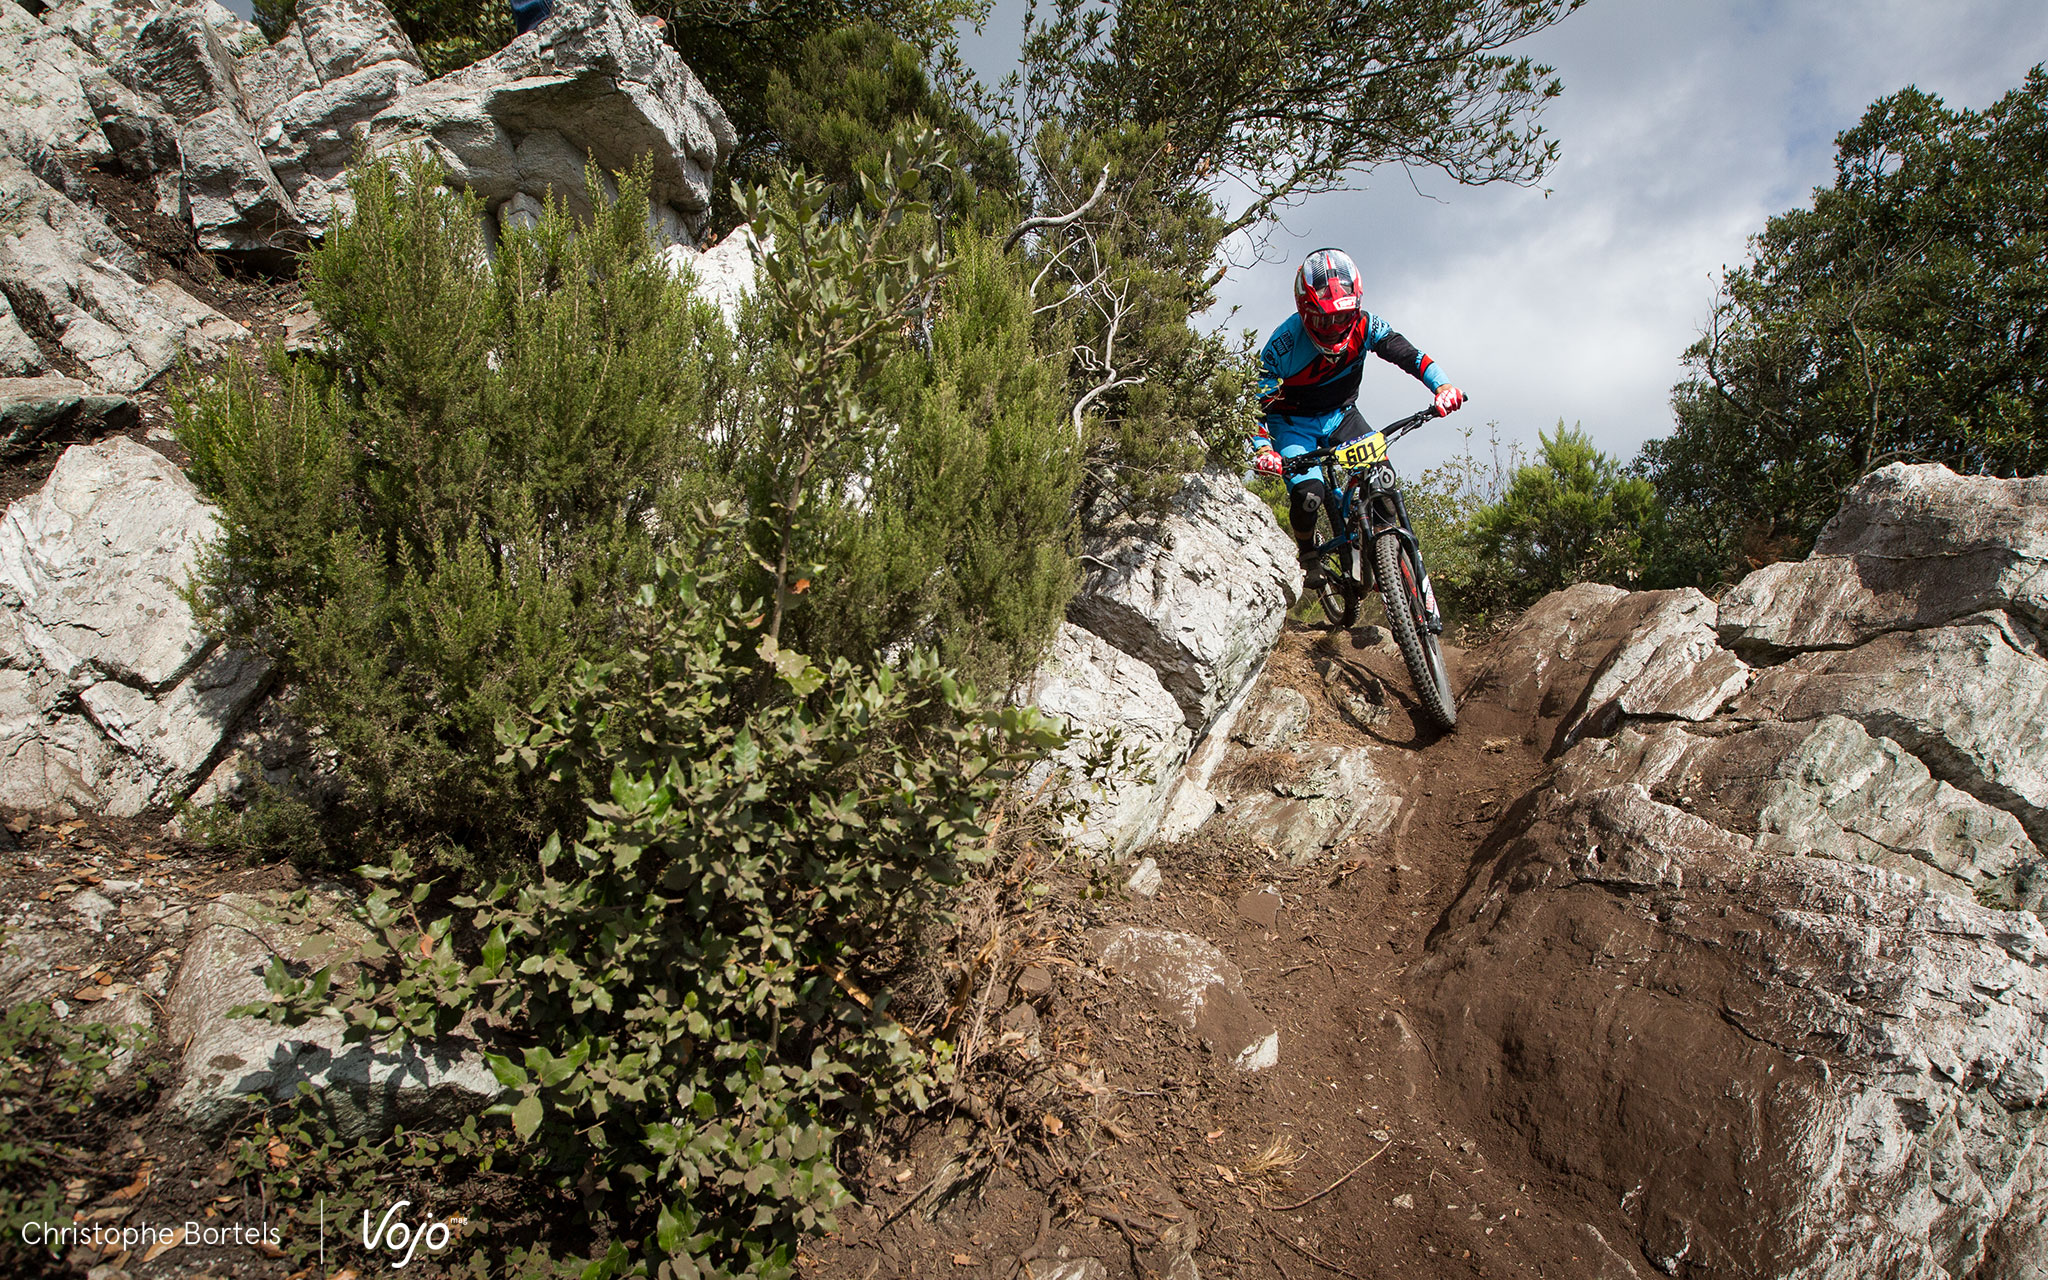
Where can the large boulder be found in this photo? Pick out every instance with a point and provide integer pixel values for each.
(112, 698)
(1911, 547)
(1162, 645)
(68, 277)
(593, 83)
(46, 107)
(1199, 593)
(231, 1065)
(1116, 712)
(1761, 961)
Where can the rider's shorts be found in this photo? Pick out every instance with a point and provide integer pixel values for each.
(1294, 435)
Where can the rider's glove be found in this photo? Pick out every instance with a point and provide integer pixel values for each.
(1267, 463)
(1448, 399)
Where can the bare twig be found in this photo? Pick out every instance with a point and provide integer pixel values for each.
(1311, 1254)
(1289, 1208)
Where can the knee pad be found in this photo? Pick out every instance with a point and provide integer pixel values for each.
(1303, 500)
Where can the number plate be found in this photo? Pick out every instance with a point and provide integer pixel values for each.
(1363, 453)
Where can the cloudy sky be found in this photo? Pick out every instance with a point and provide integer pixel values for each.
(1684, 124)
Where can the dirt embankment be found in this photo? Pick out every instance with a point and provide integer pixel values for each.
(1116, 1137)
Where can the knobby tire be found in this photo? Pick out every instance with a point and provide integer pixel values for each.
(1401, 596)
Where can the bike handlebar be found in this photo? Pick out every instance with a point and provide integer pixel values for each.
(1392, 431)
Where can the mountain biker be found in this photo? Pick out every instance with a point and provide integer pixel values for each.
(1309, 373)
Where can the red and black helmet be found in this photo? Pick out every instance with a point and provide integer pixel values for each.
(1329, 297)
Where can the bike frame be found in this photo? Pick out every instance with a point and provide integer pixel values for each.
(1378, 492)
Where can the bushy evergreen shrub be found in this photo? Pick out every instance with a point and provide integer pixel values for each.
(429, 526)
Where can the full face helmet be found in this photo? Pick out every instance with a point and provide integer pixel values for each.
(1329, 296)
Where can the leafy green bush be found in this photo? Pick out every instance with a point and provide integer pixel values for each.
(693, 994)
(428, 527)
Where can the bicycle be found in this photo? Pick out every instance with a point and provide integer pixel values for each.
(1362, 510)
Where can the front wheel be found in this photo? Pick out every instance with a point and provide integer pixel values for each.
(1400, 583)
(1341, 588)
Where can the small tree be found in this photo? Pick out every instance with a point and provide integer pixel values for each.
(1571, 516)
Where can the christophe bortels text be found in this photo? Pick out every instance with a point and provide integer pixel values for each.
(105, 1237)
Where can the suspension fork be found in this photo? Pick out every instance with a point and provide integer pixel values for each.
(1433, 617)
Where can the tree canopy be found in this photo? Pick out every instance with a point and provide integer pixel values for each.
(1898, 318)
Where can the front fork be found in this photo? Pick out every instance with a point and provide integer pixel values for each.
(1385, 492)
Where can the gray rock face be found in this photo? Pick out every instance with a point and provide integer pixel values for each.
(1106, 696)
(1912, 547)
(68, 277)
(1197, 986)
(1199, 596)
(1165, 638)
(46, 108)
(33, 408)
(1786, 945)
(592, 81)
(111, 697)
(231, 1065)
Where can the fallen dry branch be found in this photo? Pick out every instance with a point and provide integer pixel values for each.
(1289, 1208)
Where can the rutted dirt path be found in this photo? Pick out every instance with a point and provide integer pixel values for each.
(1127, 1140)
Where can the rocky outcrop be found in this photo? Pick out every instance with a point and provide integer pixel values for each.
(1162, 645)
(112, 698)
(232, 1064)
(592, 83)
(1762, 961)
(34, 409)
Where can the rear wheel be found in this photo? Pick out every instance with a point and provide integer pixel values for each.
(1340, 590)
(1400, 582)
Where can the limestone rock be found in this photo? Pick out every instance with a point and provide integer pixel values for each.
(724, 273)
(1145, 880)
(274, 74)
(1772, 975)
(69, 278)
(108, 28)
(1333, 793)
(1911, 547)
(1199, 595)
(1669, 666)
(231, 1065)
(1197, 986)
(46, 108)
(111, 696)
(341, 37)
(310, 139)
(144, 140)
(1104, 694)
(32, 409)
(592, 81)
(1970, 700)
(237, 204)
(178, 62)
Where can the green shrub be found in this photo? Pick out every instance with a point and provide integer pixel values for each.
(428, 527)
(693, 996)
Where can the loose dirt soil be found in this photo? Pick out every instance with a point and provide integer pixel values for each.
(1124, 1141)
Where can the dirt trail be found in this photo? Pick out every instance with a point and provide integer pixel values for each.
(1340, 1160)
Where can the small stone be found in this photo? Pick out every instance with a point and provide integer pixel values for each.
(1380, 1135)
(1145, 879)
(1404, 1201)
(1261, 908)
(1035, 981)
(93, 909)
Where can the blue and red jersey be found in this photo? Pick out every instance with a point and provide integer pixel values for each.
(1298, 380)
